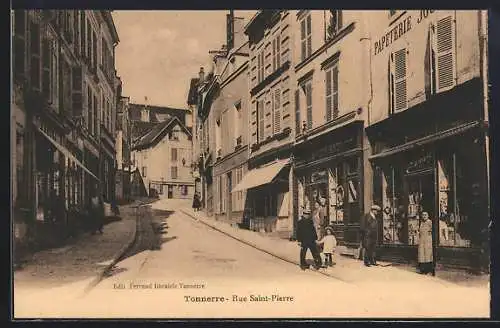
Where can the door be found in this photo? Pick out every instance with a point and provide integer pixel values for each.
(421, 198)
(170, 191)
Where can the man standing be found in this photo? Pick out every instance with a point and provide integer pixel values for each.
(369, 235)
(306, 236)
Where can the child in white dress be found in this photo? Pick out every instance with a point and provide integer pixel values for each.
(329, 245)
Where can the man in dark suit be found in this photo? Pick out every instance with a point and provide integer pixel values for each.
(369, 235)
(306, 236)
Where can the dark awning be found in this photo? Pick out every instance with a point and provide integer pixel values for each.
(260, 176)
(425, 140)
(67, 153)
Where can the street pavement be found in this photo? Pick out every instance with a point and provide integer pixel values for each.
(181, 267)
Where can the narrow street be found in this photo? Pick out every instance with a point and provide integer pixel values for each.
(177, 263)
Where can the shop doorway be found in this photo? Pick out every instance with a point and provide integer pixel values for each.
(421, 198)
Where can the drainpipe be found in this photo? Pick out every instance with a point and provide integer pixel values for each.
(483, 26)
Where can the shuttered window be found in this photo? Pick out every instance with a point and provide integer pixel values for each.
(174, 154)
(444, 50)
(35, 64)
(19, 43)
(305, 37)
(398, 87)
(260, 67)
(332, 93)
(307, 89)
(276, 53)
(174, 172)
(77, 91)
(277, 111)
(261, 119)
(297, 113)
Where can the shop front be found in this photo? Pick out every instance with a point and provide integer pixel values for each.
(328, 178)
(439, 168)
(267, 199)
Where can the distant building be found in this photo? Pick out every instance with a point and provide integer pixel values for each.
(123, 150)
(192, 103)
(163, 158)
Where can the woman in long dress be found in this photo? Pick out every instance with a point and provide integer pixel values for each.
(425, 256)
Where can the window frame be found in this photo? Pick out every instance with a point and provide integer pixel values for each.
(305, 36)
(332, 93)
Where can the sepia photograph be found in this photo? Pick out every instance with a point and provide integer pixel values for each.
(250, 164)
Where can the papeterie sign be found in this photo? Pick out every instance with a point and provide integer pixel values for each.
(399, 29)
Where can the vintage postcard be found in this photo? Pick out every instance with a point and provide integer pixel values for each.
(250, 164)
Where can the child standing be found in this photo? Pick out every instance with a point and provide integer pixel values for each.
(329, 244)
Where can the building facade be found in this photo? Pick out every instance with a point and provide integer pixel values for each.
(63, 113)
(331, 169)
(271, 86)
(192, 102)
(123, 150)
(163, 158)
(431, 64)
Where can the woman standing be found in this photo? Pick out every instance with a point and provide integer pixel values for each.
(425, 257)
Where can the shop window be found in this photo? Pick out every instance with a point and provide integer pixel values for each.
(398, 63)
(443, 54)
(394, 221)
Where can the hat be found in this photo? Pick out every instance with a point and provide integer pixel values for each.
(306, 210)
(329, 229)
(375, 207)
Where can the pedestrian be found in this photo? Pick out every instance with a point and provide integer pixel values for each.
(196, 202)
(318, 220)
(329, 243)
(307, 238)
(425, 257)
(369, 235)
(97, 213)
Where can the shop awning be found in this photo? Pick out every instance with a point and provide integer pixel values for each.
(260, 176)
(66, 153)
(425, 140)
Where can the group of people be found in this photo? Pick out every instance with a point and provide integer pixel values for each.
(309, 236)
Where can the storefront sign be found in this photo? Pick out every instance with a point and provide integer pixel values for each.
(423, 163)
(333, 149)
(400, 29)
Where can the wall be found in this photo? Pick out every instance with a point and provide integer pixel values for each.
(416, 40)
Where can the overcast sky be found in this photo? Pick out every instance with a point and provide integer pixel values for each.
(160, 51)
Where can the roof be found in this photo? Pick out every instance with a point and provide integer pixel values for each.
(193, 92)
(157, 113)
(157, 133)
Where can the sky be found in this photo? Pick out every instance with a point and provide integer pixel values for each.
(160, 51)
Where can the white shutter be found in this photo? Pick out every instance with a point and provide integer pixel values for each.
(260, 117)
(329, 99)
(444, 47)
(400, 67)
(277, 111)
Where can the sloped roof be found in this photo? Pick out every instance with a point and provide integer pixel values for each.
(156, 113)
(140, 128)
(193, 92)
(157, 132)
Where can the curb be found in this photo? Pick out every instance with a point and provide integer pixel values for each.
(294, 262)
(116, 258)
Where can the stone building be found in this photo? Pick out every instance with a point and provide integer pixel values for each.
(64, 113)
(429, 132)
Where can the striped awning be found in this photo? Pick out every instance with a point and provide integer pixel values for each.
(67, 153)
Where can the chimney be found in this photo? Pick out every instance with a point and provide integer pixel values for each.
(238, 31)
(201, 75)
(230, 30)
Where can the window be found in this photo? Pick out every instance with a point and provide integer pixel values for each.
(184, 190)
(268, 113)
(82, 33)
(307, 89)
(94, 50)
(443, 42)
(332, 92)
(277, 111)
(397, 80)
(35, 68)
(19, 43)
(174, 135)
(66, 86)
(96, 111)
(88, 42)
(90, 110)
(305, 37)
(174, 154)
(46, 68)
(238, 124)
(334, 23)
(173, 172)
(276, 53)
(144, 168)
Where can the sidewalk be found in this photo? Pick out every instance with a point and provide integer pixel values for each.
(347, 269)
(81, 263)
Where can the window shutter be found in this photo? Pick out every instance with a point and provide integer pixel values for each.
(35, 68)
(309, 104)
(46, 59)
(278, 52)
(77, 91)
(261, 118)
(277, 111)
(400, 69)
(329, 100)
(297, 113)
(309, 37)
(303, 39)
(445, 53)
(335, 92)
